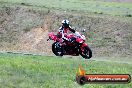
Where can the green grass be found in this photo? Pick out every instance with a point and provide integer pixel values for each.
(113, 8)
(27, 71)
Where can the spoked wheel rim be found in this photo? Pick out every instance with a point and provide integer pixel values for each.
(57, 49)
(87, 53)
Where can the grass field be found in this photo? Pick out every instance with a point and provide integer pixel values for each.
(113, 8)
(27, 71)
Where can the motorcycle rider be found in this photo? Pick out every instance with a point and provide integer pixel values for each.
(64, 30)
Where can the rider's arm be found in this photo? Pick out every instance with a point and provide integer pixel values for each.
(75, 32)
(72, 30)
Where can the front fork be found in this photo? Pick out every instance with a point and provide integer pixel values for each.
(82, 46)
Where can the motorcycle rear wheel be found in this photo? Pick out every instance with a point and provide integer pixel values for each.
(57, 49)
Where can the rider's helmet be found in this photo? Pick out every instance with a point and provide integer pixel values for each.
(65, 23)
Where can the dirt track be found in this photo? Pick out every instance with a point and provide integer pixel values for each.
(36, 41)
(107, 35)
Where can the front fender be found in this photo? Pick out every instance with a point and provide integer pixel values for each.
(82, 46)
(79, 40)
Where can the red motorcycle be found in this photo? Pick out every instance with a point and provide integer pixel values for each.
(75, 47)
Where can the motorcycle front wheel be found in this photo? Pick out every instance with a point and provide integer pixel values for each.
(87, 53)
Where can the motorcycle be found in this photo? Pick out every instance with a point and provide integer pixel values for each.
(75, 47)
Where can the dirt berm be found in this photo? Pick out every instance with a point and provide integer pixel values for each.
(25, 30)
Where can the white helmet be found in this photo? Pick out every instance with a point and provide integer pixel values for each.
(65, 23)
